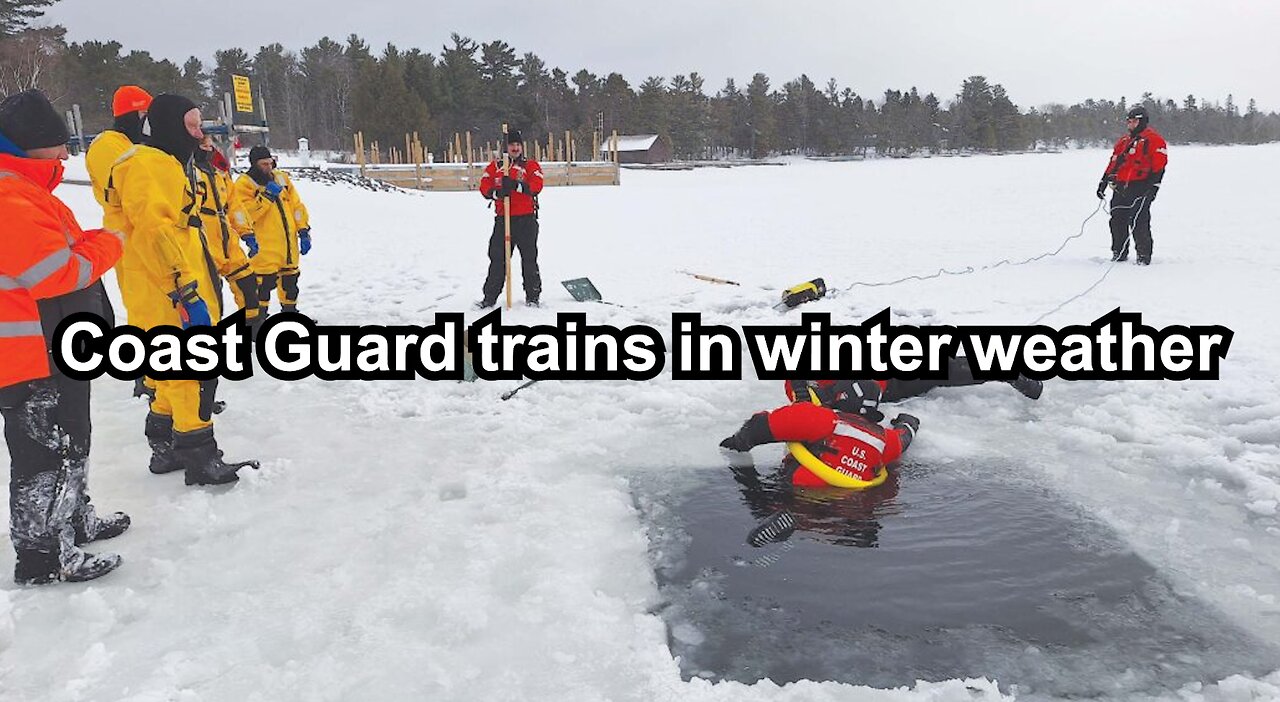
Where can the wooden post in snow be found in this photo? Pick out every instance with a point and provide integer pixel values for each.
(360, 153)
(506, 209)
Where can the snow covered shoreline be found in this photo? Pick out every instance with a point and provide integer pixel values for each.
(409, 540)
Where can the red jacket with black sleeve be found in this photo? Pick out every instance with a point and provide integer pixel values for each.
(845, 442)
(524, 201)
(1138, 158)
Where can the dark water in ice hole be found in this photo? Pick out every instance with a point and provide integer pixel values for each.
(932, 576)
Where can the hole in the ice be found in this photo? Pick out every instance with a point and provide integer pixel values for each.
(933, 576)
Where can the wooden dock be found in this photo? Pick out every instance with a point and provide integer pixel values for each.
(415, 169)
(466, 176)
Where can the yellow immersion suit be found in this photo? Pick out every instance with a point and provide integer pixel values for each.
(106, 149)
(213, 192)
(275, 224)
(151, 199)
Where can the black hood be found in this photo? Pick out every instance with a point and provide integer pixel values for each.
(1140, 113)
(129, 125)
(164, 128)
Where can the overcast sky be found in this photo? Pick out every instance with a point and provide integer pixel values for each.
(1040, 50)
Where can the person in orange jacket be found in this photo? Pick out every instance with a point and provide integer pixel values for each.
(1135, 171)
(49, 269)
(520, 188)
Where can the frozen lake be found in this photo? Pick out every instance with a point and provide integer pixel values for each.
(929, 577)
(419, 540)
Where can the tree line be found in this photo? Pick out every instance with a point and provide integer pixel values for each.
(331, 89)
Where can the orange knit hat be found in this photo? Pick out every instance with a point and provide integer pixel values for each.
(130, 98)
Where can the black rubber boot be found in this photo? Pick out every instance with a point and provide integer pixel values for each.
(1027, 386)
(255, 325)
(159, 433)
(777, 528)
(40, 568)
(198, 451)
(100, 528)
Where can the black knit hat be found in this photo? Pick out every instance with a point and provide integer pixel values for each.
(258, 153)
(165, 127)
(31, 122)
(515, 137)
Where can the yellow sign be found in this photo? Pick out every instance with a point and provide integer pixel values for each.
(243, 93)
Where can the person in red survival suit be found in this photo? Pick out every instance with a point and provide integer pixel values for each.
(842, 517)
(959, 374)
(843, 437)
(522, 187)
(1135, 171)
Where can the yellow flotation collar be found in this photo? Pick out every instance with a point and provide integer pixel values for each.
(830, 475)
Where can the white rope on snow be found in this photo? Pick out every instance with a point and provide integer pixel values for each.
(991, 266)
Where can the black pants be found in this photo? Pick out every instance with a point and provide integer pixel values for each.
(46, 427)
(1131, 213)
(958, 374)
(524, 239)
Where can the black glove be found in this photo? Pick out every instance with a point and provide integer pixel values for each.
(1102, 187)
(906, 420)
(513, 185)
(754, 431)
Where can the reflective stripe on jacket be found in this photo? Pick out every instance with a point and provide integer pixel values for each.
(43, 254)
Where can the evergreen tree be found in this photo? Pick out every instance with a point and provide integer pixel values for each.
(462, 88)
(328, 90)
(17, 15)
(275, 73)
(761, 118)
(652, 116)
(93, 71)
(325, 69)
(227, 63)
(384, 105)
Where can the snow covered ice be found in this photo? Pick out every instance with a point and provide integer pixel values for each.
(420, 540)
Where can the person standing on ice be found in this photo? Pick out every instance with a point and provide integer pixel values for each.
(213, 190)
(129, 107)
(49, 269)
(521, 187)
(845, 437)
(167, 279)
(269, 216)
(1135, 171)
